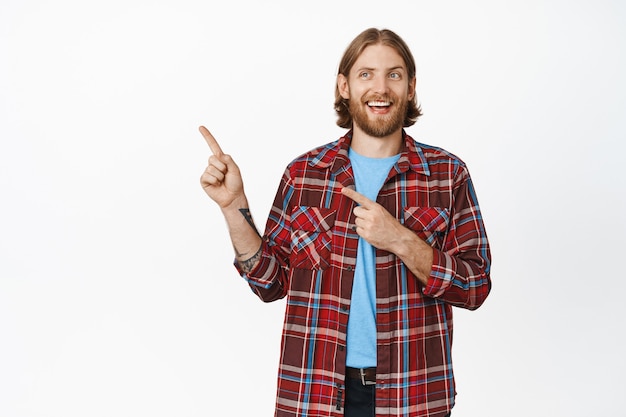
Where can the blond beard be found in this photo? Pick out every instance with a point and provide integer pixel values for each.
(382, 126)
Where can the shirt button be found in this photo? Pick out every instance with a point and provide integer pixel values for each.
(349, 268)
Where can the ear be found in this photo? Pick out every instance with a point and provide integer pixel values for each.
(343, 87)
(412, 85)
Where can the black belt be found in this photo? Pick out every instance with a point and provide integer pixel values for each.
(367, 376)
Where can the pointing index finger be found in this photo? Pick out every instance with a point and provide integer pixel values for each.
(355, 196)
(210, 140)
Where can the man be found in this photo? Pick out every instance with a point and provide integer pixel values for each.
(372, 238)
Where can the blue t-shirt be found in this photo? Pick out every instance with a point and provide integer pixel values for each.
(370, 175)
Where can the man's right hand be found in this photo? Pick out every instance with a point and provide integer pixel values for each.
(221, 179)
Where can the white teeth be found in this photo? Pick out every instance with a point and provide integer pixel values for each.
(378, 103)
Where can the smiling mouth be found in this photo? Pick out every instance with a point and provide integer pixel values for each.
(379, 104)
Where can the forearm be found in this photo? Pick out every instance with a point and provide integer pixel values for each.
(244, 235)
(461, 280)
(416, 254)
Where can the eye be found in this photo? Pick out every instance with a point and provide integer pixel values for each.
(395, 76)
(364, 75)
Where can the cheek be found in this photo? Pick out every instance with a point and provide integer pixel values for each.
(401, 92)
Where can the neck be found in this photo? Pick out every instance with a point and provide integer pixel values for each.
(376, 147)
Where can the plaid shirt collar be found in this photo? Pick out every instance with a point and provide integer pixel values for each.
(335, 156)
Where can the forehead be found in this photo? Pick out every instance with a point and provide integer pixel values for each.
(379, 57)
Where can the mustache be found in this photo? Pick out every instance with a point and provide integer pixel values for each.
(379, 97)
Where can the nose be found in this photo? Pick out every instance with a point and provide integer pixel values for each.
(381, 85)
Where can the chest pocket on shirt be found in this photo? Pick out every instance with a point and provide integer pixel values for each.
(311, 237)
(430, 223)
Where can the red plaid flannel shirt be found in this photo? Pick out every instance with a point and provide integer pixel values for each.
(309, 255)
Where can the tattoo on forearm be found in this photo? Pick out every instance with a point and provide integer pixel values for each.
(248, 216)
(247, 264)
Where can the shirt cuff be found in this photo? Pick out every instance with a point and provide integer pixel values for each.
(441, 274)
(262, 275)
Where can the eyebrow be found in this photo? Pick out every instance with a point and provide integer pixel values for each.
(397, 67)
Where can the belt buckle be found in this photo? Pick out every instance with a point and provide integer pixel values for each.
(363, 381)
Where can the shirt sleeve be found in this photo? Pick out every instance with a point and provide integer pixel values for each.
(460, 274)
(268, 279)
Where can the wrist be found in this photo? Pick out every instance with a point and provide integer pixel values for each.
(238, 203)
(416, 254)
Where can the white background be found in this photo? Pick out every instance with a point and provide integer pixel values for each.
(117, 292)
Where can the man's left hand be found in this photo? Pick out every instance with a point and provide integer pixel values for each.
(383, 231)
(374, 223)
